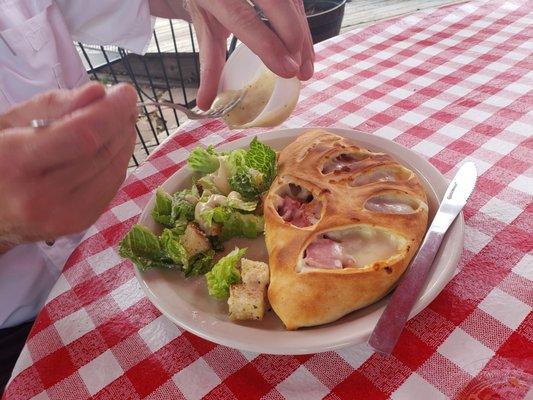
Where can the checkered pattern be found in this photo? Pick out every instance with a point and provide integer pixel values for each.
(454, 84)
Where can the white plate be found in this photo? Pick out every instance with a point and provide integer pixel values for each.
(186, 302)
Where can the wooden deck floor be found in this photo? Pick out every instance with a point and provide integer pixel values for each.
(358, 13)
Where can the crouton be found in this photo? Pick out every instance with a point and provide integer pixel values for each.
(254, 272)
(194, 240)
(246, 302)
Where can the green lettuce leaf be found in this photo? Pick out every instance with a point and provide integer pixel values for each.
(234, 223)
(203, 160)
(162, 211)
(263, 159)
(200, 264)
(183, 203)
(242, 225)
(170, 242)
(221, 214)
(224, 274)
(236, 201)
(257, 173)
(246, 183)
(179, 226)
(236, 160)
(207, 184)
(143, 248)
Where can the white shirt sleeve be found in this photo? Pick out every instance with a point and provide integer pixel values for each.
(124, 23)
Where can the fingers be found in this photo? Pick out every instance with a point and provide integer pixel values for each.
(70, 177)
(241, 19)
(105, 184)
(90, 199)
(212, 42)
(53, 104)
(308, 53)
(84, 132)
(62, 177)
(289, 22)
(285, 18)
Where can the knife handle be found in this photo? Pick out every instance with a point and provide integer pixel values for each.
(396, 314)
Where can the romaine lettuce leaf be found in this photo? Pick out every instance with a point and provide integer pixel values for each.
(143, 248)
(246, 184)
(257, 173)
(207, 184)
(162, 211)
(221, 176)
(261, 158)
(242, 225)
(183, 203)
(200, 264)
(179, 226)
(234, 223)
(170, 242)
(203, 160)
(224, 274)
(236, 201)
(235, 160)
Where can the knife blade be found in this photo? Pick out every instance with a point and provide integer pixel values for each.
(392, 321)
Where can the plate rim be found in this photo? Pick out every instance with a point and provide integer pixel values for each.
(429, 294)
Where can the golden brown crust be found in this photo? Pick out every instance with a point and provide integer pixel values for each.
(318, 296)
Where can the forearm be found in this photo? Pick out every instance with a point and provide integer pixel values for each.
(171, 9)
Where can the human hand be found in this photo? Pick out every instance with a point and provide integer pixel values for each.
(58, 179)
(286, 49)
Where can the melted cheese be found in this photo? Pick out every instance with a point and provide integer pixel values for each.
(361, 246)
(381, 174)
(367, 245)
(391, 205)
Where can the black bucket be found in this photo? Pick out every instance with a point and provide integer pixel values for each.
(325, 18)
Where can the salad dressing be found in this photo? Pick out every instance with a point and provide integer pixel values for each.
(220, 177)
(213, 201)
(255, 99)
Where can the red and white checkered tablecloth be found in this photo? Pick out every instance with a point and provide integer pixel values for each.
(453, 84)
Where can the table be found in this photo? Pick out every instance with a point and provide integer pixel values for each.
(453, 84)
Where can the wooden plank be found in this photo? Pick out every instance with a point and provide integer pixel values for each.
(358, 13)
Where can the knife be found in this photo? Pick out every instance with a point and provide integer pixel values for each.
(396, 314)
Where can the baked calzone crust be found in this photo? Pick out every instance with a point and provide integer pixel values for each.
(341, 223)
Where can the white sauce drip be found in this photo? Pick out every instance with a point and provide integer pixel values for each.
(257, 95)
(220, 177)
(213, 201)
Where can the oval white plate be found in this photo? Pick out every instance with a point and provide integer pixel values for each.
(186, 302)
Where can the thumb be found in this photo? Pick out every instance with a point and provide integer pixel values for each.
(212, 48)
(53, 104)
(212, 59)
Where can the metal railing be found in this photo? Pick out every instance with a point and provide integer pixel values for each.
(172, 74)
